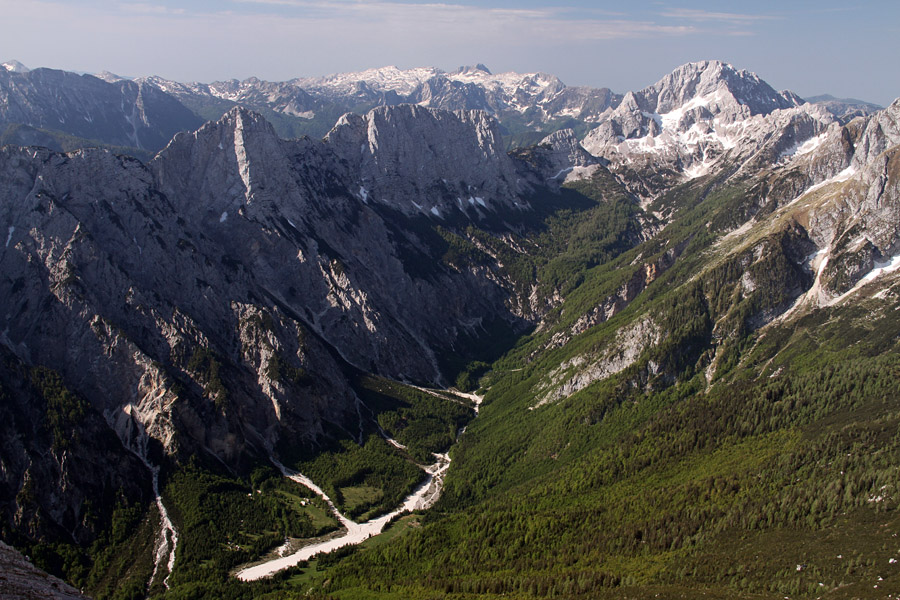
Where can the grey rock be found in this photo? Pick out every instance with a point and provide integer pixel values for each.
(21, 580)
(874, 134)
(416, 159)
(562, 153)
(123, 113)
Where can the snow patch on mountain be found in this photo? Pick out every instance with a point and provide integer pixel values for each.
(14, 66)
(402, 81)
(805, 147)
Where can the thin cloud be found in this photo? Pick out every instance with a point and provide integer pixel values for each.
(388, 10)
(280, 39)
(691, 14)
(529, 25)
(150, 9)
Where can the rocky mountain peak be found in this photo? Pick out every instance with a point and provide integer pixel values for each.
(565, 145)
(424, 160)
(244, 119)
(558, 157)
(235, 127)
(225, 166)
(109, 77)
(469, 70)
(712, 77)
(692, 116)
(14, 66)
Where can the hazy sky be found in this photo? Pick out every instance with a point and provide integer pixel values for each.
(810, 47)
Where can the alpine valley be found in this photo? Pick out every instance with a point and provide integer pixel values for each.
(420, 334)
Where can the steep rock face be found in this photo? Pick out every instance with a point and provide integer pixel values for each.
(447, 94)
(123, 113)
(63, 470)
(98, 249)
(581, 371)
(874, 134)
(566, 151)
(857, 221)
(213, 300)
(559, 157)
(840, 185)
(345, 264)
(416, 159)
(847, 198)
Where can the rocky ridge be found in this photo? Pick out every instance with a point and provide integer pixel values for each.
(122, 113)
(392, 153)
(538, 96)
(220, 300)
(279, 261)
(688, 120)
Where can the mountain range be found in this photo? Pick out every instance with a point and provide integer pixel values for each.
(677, 305)
(528, 106)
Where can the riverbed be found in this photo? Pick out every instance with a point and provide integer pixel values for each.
(422, 497)
(425, 495)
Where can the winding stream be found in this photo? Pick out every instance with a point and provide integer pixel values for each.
(130, 429)
(424, 496)
(168, 535)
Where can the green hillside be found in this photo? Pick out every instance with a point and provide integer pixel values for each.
(731, 457)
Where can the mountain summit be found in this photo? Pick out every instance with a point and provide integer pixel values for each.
(714, 79)
(418, 159)
(14, 66)
(688, 119)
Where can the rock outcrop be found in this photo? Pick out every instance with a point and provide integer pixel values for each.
(20, 580)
